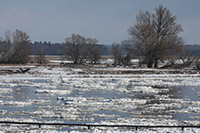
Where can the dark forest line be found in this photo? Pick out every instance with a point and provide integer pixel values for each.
(48, 48)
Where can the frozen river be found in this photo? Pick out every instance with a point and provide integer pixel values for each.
(69, 96)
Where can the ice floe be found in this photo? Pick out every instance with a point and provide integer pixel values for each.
(73, 95)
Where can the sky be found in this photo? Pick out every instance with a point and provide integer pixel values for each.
(106, 20)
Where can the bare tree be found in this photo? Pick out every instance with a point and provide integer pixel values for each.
(154, 34)
(197, 63)
(126, 49)
(93, 50)
(40, 57)
(6, 46)
(21, 47)
(80, 48)
(117, 53)
(16, 47)
(75, 48)
(185, 55)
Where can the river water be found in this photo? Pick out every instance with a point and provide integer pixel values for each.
(98, 100)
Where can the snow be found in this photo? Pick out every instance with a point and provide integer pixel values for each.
(60, 61)
(64, 94)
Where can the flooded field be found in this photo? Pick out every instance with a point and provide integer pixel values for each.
(69, 95)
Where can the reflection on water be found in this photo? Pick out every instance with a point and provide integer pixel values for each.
(98, 94)
(188, 93)
(20, 94)
(155, 103)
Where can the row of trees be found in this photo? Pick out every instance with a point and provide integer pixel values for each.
(15, 48)
(81, 49)
(153, 38)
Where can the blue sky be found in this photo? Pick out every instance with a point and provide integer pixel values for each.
(105, 20)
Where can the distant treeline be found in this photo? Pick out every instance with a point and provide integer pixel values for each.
(48, 48)
(194, 49)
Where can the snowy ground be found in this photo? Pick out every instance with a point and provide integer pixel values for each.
(99, 95)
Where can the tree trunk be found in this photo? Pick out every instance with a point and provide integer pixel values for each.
(140, 63)
(150, 64)
(156, 63)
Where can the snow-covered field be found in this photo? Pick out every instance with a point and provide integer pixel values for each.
(101, 96)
